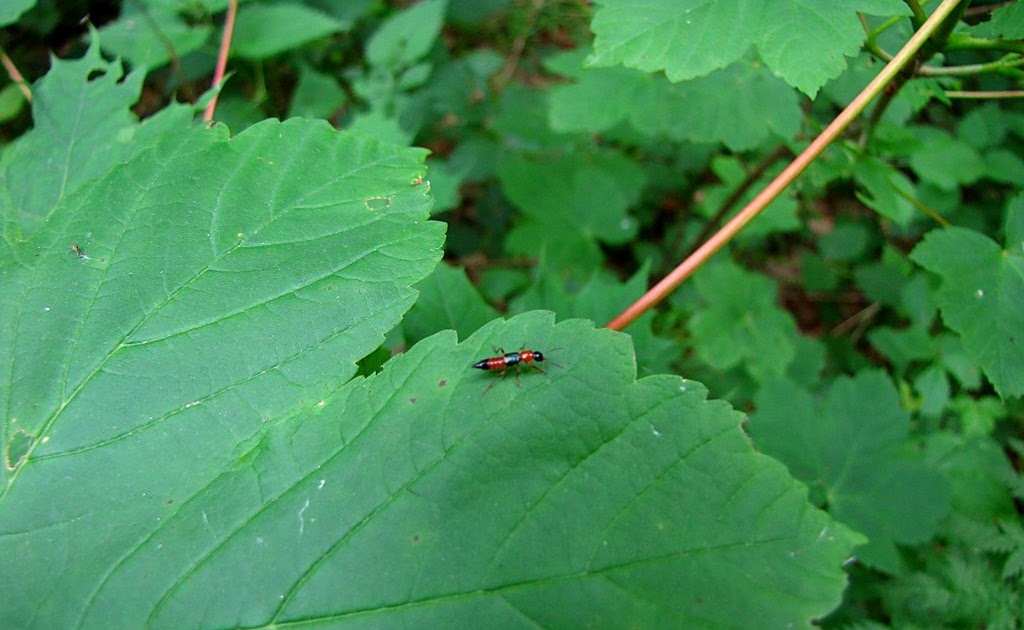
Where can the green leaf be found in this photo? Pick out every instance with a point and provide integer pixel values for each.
(265, 30)
(956, 361)
(381, 126)
(219, 287)
(1015, 223)
(317, 95)
(445, 180)
(933, 387)
(571, 202)
(982, 299)
(406, 36)
(946, 161)
(702, 110)
(83, 126)
(977, 470)
(904, 346)
(984, 127)
(804, 42)
(887, 191)
(817, 274)
(846, 241)
(580, 497)
(447, 301)
(1004, 166)
(850, 447)
(741, 325)
(11, 10)
(978, 416)
(1006, 22)
(883, 281)
(149, 35)
(12, 102)
(686, 39)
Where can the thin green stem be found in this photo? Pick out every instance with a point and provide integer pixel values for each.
(918, 15)
(1009, 61)
(985, 95)
(923, 207)
(959, 41)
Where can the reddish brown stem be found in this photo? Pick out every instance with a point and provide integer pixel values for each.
(222, 57)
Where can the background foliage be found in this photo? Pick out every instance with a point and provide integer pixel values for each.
(202, 420)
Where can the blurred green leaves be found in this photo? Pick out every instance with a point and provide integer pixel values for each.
(982, 299)
(851, 448)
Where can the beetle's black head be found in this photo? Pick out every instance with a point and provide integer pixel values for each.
(538, 356)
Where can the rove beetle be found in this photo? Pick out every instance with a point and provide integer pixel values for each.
(529, 358)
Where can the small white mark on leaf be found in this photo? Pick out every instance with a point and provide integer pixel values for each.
(191, 404)
(46, 309)
(320, 486)
(655, 432)
(302, 519)
(206, 522)
(980, 293)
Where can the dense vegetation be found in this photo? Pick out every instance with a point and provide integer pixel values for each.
(235, 382)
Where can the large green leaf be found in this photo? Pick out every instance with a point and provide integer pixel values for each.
(217, 287)
(982, 299)
(803, 41)
(421, 498)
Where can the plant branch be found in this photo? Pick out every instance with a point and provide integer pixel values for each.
(661, 290)
(985, 95)
(168, 45)
(918, 16)
(16, 77)
(222, 57)
(1009, 61)
(959, 41)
